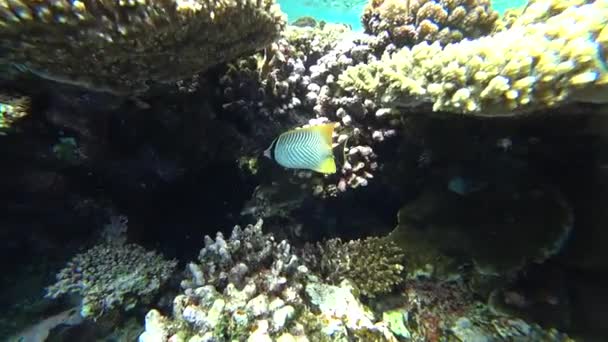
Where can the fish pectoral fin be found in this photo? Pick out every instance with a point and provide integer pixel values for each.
(328, 165)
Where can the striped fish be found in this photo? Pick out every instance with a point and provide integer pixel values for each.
(306, 148)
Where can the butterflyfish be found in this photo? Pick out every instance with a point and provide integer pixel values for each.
(305, 148)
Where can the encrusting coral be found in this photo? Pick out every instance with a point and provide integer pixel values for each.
(546, 58)
(406, 23)
(123, 46)
(374, 265)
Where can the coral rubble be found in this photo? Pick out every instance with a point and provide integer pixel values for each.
(123, 46)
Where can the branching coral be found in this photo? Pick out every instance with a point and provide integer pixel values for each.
(406, 23)
(251, 288)
(247, 252)
(247, 284)
(12, 108)
(122, 46)
(538, 63)
(374, 265)
(112, 276)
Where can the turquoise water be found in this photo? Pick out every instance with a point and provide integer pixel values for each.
(349, 11)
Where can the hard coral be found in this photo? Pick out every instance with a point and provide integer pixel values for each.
(406, 23)
(247, 285)
(234, 261)
(112, 276)
(122, 46)
(536, 64)
(374, 265)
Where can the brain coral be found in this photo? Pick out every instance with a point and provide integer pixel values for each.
(122, 46)
(408, 22)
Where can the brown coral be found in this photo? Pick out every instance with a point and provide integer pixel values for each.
(374, 265)
(122, 46)
(421, 19)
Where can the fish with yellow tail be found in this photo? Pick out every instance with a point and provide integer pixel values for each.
(305, 148)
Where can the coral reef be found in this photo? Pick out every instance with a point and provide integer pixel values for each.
(374, 265)
(250, 287)
(246, 284)
(245, 253)
(273, 83)
(296, 77)
(442, 231)
(301, 307)
(112, 276)
(12, 108)
(439, 311)
(406, 23)
(123, 47)
(541, 61)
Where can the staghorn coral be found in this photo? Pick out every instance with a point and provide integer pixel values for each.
(406, 23)
(121, 47)
(12, 108)
(374, 265)
(112, 276)
(538, 63)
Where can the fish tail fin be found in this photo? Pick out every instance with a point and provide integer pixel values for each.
(328, 165)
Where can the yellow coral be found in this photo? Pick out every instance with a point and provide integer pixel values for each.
(445, 21)
(541, 61)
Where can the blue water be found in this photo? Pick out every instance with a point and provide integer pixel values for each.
(349, 11)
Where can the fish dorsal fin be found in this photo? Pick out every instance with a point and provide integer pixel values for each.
(326, 131)
(327, 166)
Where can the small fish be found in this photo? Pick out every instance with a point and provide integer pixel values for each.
(305, 148)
